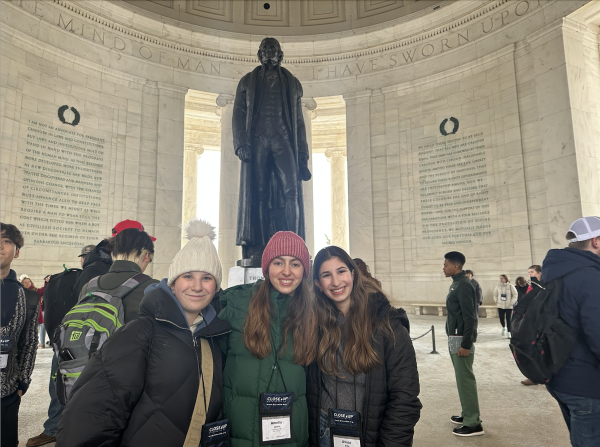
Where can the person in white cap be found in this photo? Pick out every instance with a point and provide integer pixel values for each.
(158, 380)
(576, 387)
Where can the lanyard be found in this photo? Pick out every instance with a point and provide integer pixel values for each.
(276, 364)
(336, 392)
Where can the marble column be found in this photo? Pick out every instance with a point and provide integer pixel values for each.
(339, 202)
(566, 126)
(190, 184)
(308, 110)
(230, 189)
(169, 175)
(360, 189)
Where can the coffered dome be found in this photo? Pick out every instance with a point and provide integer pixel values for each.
(284, 17)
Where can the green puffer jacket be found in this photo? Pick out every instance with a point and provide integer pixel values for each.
(246, 377)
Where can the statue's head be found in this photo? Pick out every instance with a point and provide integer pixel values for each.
(269, 52)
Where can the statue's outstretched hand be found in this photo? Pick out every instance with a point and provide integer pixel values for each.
(244, 153)
(305, 174)
(303, 164)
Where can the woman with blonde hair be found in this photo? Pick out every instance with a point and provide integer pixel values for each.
(505, 296)
(365, 369)
(272, 339)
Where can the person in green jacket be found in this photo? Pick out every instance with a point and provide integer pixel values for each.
(273, 336)
(461, 328)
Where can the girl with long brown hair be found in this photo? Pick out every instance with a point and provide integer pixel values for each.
(273, 338)
(365, 367)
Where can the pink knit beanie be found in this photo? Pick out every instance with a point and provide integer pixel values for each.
(285, 243)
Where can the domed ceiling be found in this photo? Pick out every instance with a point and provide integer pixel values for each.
(284, 17)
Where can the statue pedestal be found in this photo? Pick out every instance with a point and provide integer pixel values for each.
(244, 275)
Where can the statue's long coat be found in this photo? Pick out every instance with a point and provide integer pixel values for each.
(246, 101)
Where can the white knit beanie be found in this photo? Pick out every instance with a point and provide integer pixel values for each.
(199, 253)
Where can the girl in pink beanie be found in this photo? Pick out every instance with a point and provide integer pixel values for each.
(273, 337)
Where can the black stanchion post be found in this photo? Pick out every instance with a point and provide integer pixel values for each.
(433, 340)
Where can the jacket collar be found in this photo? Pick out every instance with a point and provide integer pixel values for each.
(459, 275)
(125, 266)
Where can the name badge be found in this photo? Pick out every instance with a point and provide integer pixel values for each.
(275, 410)
(216, 434)
(344, 428)
(6, 344)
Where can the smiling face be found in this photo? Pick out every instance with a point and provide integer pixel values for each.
(336, 282)
(194, 291)
(286, 273)
(26, 283)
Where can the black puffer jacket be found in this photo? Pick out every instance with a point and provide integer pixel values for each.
(140, 389)
(392, 407)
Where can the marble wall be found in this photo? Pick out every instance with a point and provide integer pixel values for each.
(474, 104)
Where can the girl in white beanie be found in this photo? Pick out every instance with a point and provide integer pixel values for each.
(158, 380)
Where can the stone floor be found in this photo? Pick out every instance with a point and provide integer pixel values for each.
(512, 414)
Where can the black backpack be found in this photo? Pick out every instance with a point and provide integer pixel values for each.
(59, 297)
(541, 341)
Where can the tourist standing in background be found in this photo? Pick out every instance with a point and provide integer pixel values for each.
(535, 277)
(28, 284)
(477, 288)
(19, 310)
(461, 328)
(366, 271)
(272, 339)
(576, 386)
(505, 296)
(132, 250)
(366, 364)
(521, 286)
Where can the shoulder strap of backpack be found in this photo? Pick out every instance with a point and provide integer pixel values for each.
(32, 300)
(119, 292)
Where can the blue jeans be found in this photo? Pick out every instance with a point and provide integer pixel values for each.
(582, 416)
(55, 408)
(324, 430)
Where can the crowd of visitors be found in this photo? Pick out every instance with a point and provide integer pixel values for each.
(288, 360)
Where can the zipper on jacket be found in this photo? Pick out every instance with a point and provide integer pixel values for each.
(364, 419)
(195, 343)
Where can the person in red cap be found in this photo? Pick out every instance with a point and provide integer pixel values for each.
(125, 224)
(273, 336)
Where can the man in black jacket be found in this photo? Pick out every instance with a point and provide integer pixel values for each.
(576, 387)
(477, 288)
(461, 328)
(19, 336)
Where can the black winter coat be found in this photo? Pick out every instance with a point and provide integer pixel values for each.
(97, 262)
(392, 407)
(140, 389)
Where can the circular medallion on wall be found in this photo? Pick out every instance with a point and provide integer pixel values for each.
(68, 115)
(443, 129)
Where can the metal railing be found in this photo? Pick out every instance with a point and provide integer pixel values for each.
(432, 330)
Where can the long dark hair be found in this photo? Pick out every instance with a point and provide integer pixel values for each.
(361, 320)
(301, 320)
